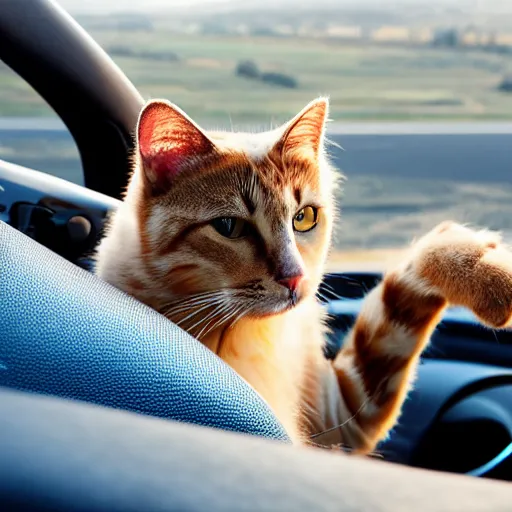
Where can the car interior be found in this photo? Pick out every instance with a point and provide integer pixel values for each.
(107, 405)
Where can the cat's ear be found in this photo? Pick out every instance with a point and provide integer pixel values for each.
(168, 141)
(305, 132)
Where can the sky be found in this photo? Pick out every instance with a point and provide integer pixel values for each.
(103, 6)
(129, 5)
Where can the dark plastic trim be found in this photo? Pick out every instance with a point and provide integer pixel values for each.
(99, 105)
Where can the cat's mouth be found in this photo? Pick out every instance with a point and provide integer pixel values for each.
(200, 318)
(278, 306)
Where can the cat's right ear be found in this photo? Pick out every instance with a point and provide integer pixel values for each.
(168, 142)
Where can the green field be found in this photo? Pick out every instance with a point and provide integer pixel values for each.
(365, 82)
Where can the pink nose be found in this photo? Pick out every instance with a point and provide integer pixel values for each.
(292, 283)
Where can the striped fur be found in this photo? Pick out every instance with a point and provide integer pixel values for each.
(161, 247)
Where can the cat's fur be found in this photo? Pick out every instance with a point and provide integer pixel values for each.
(161, 248)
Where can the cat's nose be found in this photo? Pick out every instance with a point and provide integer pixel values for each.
(291, 282)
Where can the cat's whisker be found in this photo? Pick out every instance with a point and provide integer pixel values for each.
(197, 311)
(322, 296)
(192, 303)
(242, 314)
(209, 318)
(324, 288)
(192, 298)
(326, 285)
(330, 295)
(364, 403)
(198, 300)
(329, 289)
(240, 311)
(191, 306)
(334, 143)
(225, 318)
(341, 276)
(212, 325)
(187, 298)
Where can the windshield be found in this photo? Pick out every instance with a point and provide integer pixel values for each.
(420, 91)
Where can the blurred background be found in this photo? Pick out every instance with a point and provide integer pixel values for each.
(421, 97)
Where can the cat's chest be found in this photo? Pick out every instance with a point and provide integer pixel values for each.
(261, 351)
(270, 354)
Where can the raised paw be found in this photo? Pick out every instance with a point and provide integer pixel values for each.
(468, 268)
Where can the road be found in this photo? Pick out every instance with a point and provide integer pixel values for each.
(468, 152)
(401, 178)
(461, 157)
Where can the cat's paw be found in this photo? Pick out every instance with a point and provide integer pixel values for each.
(468, 268)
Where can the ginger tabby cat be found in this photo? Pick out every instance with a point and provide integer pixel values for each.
(227, 234)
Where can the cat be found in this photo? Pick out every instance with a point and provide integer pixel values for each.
(227, 235)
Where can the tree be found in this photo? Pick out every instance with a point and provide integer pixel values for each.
(280, 79)
(506, 84)
(248, 69)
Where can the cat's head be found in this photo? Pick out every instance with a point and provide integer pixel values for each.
(240, 222)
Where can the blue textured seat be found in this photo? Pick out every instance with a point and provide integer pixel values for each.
(66, 333)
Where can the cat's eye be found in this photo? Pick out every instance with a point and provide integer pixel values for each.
(306, 219)
(230, 227)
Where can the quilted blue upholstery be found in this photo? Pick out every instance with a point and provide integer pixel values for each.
(65, 332)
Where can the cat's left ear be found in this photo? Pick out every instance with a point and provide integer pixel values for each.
(168, 142)
(304, 134)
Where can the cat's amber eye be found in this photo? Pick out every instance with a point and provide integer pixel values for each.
(230, 227)
(306, 219)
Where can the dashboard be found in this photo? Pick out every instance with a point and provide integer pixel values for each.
(458, 417)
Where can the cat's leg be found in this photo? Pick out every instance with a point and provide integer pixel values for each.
(450, 265)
